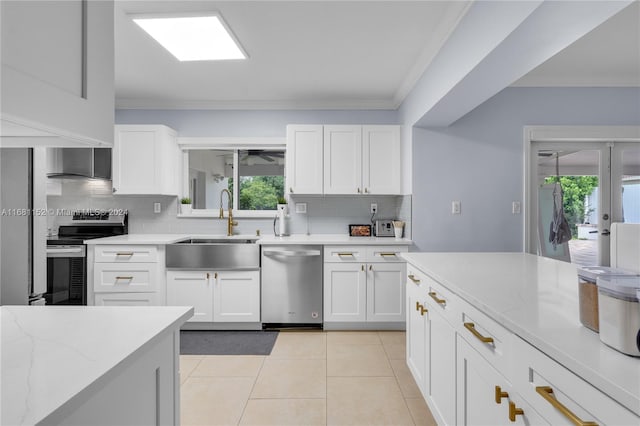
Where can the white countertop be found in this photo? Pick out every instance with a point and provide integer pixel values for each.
(52, 353)
(537, 299)
(324, 239)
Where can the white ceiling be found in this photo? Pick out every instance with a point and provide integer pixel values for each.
(336, 55)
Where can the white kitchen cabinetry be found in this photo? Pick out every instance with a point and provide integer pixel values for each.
(304, 159)
(417, 330)
(57, 73)
(364, 284)
(223, 296)
(146, 160)
(343, 159)
(122, 275)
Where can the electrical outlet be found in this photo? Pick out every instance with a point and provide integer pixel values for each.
(374, 208)
(515, 207)
(455, 207)
(157, 207)
(301, 208)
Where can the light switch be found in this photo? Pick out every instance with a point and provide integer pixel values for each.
(455, 207)
(157, 207)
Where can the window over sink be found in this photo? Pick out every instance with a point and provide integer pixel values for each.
(254, 175)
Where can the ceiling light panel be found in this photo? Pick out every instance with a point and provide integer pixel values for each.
(192, 38)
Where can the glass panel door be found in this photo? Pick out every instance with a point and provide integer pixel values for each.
(625, 181)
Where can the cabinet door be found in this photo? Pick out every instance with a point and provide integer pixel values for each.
(385, 292)
(191, 288)
(345, 292)
(304, 159)
(381, 160)
(52, 82)
(417, 329)
(236, 296)
(343, 160)
(142, 160)
(476, 391)
(442, 346)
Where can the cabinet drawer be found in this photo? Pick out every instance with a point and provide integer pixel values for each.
(386, 253)
(487, 337)
(126, 299)
(443, 301)
(126, 254)
(342, 254)
(118, 277)
(557, 393)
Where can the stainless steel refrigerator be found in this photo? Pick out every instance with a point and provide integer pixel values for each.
(23, 226)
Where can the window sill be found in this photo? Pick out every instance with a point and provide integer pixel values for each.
(215, 214)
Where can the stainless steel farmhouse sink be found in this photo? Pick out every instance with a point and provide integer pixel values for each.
(213, 253)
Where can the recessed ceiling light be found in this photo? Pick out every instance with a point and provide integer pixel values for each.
(192, 38)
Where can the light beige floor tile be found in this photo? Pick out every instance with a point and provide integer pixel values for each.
(291, 378)
(357, 360)
(366, 401)
(407, 384)
(420, 412)
(308, 345)
(213, 400)
(188, 363)
(285, 412)
(229, 366)
(392, 337)
(395, 351)
(353, 338)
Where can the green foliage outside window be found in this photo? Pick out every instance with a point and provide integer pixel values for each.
(259, 192)
(575, 189)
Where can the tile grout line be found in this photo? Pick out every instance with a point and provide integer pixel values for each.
(395, 376)
(255, 380)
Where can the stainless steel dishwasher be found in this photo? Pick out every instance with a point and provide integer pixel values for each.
(291, 286)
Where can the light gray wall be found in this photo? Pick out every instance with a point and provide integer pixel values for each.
(479, 161)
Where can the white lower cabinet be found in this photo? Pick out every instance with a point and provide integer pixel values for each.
(225, 296)
(442, 366)
(417, 324)
(364, 284)
(484, 396)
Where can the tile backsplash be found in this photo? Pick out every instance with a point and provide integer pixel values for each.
(325, 214)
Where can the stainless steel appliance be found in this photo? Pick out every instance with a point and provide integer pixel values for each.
(66, 254)
(80, 163)
(23, 226)
(384, 228)
(291, 286)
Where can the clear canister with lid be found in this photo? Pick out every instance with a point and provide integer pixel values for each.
(619, 313)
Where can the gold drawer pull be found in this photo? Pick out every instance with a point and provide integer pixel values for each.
(435, 297)
(500, 394)
(124, 278)
(124, 253)
(346, 254)
(388, 254)
(413, 278)
(514, 411)
(547, 393)
(291, 190)
(420, 307)
(472, 328)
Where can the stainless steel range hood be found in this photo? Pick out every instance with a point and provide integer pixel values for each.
(80, 163)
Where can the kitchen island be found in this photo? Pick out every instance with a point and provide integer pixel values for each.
(510, 321)
(90, 365)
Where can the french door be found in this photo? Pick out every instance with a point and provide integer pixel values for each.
(608, 172)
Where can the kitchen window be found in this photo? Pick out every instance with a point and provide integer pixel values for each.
(254, 176)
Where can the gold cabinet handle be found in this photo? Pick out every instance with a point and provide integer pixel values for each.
(362, 267)
(207, 275)
(359, 191)
(421, 308)
(438, 300)
(547, 393)
(514, 411)
(500, 394)
(345, 254)
(472, 328)
(413, 278)
(124, 278)
(215, 275)
(124, 253)
(371, 267)
(366, 190)
(291, 190)
(388, 254)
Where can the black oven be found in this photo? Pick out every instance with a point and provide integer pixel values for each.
(66, 275)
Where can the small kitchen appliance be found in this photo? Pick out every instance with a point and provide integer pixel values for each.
(282, 216)
(384, 228)
(619, 313)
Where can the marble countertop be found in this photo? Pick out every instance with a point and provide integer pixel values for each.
(52, 353)
(324, 239)
(537, 299)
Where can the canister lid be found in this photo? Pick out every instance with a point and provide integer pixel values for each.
(591, 273)
(625, 288)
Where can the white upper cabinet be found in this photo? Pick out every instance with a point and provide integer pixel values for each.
(381, 160)
(146, 160)
(304, 159)
(343, 159)
(57, 74)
